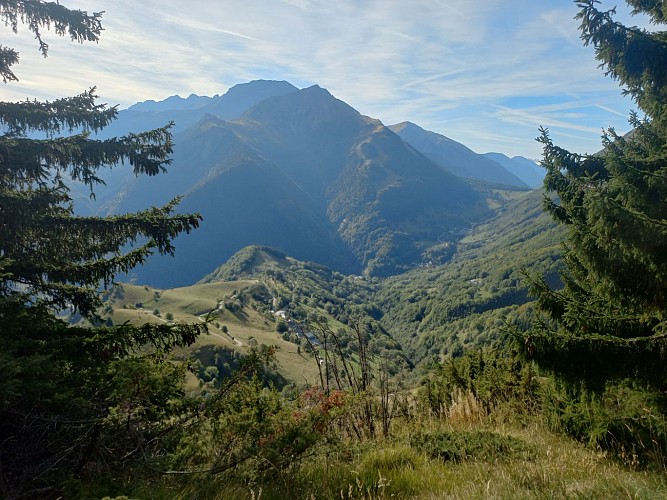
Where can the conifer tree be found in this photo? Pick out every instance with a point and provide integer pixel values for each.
(609, 322)
(63, 388)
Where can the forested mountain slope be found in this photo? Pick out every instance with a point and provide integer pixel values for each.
(437, 310)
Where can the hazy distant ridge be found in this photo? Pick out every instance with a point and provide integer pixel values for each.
(454, 157)
(526, 170)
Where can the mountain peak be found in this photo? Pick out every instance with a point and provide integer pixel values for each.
(248, 261)
(230, 105)
(260, 87)
(306, 109)
(316, 88)
(399, 127)
(174, 103)
(526, 170)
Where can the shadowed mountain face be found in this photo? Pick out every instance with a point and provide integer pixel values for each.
(305, 173)
(454, 157)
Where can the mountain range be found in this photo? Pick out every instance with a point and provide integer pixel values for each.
(456, 158)
(301, 171)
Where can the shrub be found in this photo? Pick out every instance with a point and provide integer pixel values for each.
(461, 446)
(626, 420)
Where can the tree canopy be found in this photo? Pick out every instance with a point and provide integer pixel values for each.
(610, 320)
(62, 387)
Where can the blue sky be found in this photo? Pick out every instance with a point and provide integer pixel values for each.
(486, 74)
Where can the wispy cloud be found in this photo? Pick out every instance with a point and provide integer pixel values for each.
(451, 66)
(524, 117)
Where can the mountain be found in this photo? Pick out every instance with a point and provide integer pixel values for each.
(435, 310)
(526, 170)
(173, 103)
(236, 101)
(454, 157)
(244, 200)
(305, 173)
(247, 263)
(240, 98)
(186, 113)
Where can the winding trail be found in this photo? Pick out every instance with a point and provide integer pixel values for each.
(228, 337)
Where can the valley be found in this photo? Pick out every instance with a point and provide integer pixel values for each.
(464, 298)
(332, 215)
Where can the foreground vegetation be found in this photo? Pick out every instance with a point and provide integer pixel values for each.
(555, 468)
(465, 434)
(486, 423)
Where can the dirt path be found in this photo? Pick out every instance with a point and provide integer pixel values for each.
(227, 337)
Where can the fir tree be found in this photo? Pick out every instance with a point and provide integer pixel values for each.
(609, 322)
(74, 396)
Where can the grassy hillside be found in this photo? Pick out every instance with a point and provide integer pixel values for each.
(231, 324)
(513, 462)
(241, 312)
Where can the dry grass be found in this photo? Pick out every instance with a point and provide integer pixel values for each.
(557, 468)
(465, 407)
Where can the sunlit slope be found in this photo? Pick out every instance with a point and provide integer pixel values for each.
(231, 323)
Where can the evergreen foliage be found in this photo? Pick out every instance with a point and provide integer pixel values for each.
(626, 420)
(493, 377)
(75, 399)
(609, 322)
(469, 446)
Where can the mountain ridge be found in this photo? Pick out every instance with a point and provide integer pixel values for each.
(454, 157)
(525, 169)
(302, 171)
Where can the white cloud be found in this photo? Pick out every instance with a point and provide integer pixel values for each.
(441, 64)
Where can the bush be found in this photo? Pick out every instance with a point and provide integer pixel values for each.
(493, 378)
(451, 446)
(626, 420)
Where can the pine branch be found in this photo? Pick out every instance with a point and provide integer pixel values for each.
(36, 14)
(51, 117)
(28, 161)
(8, 57)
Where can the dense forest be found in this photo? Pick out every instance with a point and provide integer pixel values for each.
(526, 358)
